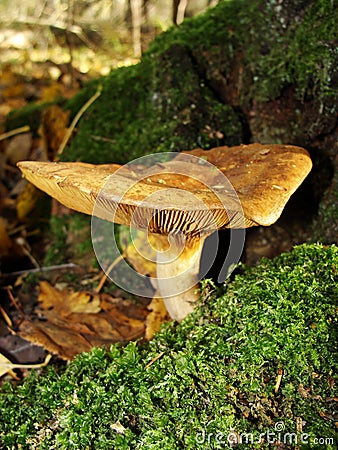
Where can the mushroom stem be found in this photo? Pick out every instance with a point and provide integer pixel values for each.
(178, 275)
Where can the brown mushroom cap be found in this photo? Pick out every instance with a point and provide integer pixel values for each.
(264, 177)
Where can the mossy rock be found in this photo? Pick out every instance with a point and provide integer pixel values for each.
(207, 382)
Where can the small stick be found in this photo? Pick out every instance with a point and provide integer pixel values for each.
(26, 250)
(14, 132)
(77, 118)
(40, 269)
(6, 317)
(278, 380)
(154, 360)
(17, 306)
(107, 272)
(11, 366)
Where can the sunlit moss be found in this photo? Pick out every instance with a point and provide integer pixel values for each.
(215, 373)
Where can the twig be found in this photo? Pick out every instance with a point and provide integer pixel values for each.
(136, 17)
(17, 306)
(154, 360)
(26, 250)
(40, 269)
(77, 118)
(11, 366)
(278, 380)
(182, 5)
(107, 272)
(11, 133)
(6, 317)
(70, 22)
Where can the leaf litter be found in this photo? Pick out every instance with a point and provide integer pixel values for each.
(69, 322)
(60, 320)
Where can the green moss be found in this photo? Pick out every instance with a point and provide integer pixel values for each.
(141, 111)
(325, 227)
(281, 45)
(215, 373)
(178, 96)
(58, 240)
(70, 238)
(79, 232)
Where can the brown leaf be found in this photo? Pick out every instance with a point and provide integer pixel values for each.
(51, 92)
(66, 302)
(53, 129)
(73, 322)
(5, 240)
(15, 90)
(19, 148)
(156, 317)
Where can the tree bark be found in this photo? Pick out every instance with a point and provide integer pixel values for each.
(136, 15)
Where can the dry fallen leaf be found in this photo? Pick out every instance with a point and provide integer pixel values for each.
(51, 92)
(5, 240)
(156, 317)
(66, 302)
(15, 90)
(53, 129)
(73, 322)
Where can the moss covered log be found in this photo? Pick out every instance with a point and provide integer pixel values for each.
(245, 71)
(256, 363)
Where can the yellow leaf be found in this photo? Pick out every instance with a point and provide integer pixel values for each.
(141, 254)
(51, 92)
(156, 317)
(27, 200)
(66, 302)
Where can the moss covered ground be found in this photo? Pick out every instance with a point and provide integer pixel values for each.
(208, 382)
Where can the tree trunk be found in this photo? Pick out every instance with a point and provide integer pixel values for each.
(136, 14)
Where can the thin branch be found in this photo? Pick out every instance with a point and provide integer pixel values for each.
(154, 359)
(181, 11)
(40, 269)
(77, 118)
(11, 133)
(136, 16)
(11, 366)
(107, 272)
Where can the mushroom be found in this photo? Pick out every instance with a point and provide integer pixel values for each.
(180, 200)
